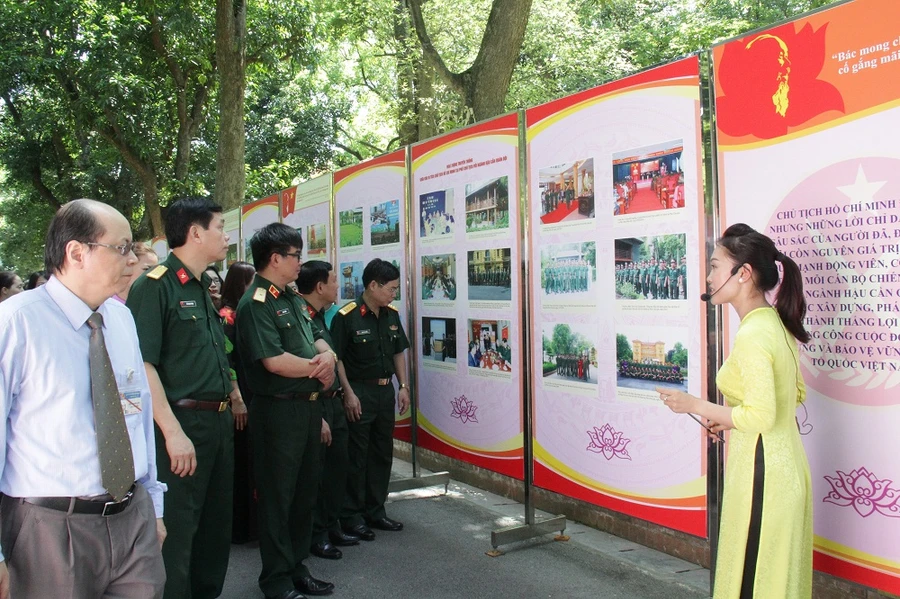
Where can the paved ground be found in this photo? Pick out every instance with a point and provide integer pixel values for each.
(441, 555)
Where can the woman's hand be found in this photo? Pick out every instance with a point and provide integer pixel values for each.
(678, 401)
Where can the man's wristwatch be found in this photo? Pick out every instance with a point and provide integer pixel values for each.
(404, 386)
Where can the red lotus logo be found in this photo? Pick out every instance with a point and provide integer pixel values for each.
(769, 82)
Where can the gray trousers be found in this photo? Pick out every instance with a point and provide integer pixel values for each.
(51, 553)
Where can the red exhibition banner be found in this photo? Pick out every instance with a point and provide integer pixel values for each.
(466, 283)
(807, 117)
(616, 204)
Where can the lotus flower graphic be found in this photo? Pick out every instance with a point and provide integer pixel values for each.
(865, 492)
(609, 442)
(464, 409)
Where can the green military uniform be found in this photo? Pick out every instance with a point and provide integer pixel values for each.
(673, 281)
(287, 425)
(367, 344)
(333, 486)
(181, 335)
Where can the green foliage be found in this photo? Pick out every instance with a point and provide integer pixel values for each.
(627, 291)
(623, 348)
(678, 355)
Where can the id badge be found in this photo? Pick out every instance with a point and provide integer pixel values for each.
(131, 401)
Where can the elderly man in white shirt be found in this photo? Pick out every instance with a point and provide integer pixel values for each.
(76, 520)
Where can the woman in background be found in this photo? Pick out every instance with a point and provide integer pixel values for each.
(10, 284)
(147, 259)
(765, 536)
(243, 524)
(215, 286)
(36, 279)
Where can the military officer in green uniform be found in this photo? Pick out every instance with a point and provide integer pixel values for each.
(673, 279)
(289, 366)
(183, 345)
(318, 286)
(370, 341)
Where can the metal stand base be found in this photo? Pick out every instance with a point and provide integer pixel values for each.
(420, 482)
(522, 532)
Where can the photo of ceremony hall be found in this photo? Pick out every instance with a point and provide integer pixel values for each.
(568, 355)
(487, 205)
(385, 223)
(568, 268)
(567, 191)
(651, 268)
(489, 274)
(646, 365)
(438, 278)
(436, 209)
(439, 339)
(648, 179)
(489, 347)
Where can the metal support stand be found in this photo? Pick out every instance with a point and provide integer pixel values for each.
(439, 478)
(531, 528)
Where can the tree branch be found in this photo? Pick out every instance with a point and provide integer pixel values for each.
(350, 151)
(453, 80)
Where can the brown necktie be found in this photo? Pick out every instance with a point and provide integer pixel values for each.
(113, 444)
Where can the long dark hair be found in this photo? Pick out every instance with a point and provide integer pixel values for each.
(748, 246)
(236, 282)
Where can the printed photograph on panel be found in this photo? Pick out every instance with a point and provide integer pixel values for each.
(385, 223)
(567, 191)
(569, 269)
(490, 275)
(487, 205)
(350, 280)
(488, 345)
(439, 277)
(351, 231)
(568, 354)
(439, 339)
(316, 239)
(650, 357)
(651, 268)
(398, 293)
(436, 212)
(648, 179)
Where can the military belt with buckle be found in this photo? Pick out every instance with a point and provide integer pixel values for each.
(206, 406)
(302, 396)
(379, 382)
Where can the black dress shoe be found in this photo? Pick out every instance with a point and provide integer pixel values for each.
(292, 594)
(362, 531)
(326, 550)
(313, 586)
(342, 539)
(386, 524)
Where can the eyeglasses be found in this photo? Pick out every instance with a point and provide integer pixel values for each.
(296, 255)
(393, 290)
(124, 249)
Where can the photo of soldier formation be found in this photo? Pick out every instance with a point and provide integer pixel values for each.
(646, 365)
(568, 268)
(651, 268)
(568, 354)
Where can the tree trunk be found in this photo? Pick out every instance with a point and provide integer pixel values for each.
(407, 62)
(231, 27)
(483, 85)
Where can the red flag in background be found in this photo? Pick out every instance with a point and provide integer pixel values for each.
(769, 82)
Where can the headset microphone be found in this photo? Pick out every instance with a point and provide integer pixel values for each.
(708, 296)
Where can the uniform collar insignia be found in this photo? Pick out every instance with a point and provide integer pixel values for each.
(183, 276)
(274, 291)
(363, 310)
(311, 310)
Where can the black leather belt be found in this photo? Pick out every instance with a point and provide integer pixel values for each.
(306, 396)
(102, 506)
(208, 406)
(379, 382)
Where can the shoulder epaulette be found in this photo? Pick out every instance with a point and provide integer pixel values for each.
(157, 272)
(259, 295)
(347, 309)
(393, 307)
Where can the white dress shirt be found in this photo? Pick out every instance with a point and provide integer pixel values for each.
(48, 447)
